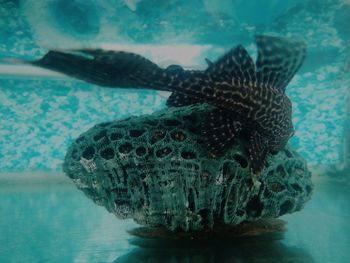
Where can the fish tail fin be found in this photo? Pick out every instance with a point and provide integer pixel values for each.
(105, 68)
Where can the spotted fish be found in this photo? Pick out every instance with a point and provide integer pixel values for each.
(249, 98)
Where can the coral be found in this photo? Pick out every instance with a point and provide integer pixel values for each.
(156, 170)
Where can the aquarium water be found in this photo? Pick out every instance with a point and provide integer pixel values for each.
(45, 218)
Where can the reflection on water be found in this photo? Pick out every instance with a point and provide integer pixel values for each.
(249, 250)
(51, 221)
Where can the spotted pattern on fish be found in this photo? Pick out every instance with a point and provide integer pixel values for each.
(249, 98)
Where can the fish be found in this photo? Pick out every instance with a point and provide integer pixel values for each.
(248, 97)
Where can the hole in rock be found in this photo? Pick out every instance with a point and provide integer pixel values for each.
(205, 215)
(240, 213)
(188, 155)
(280, 171)
(116, 136)
(89, 153)
(163, 152)
(297, 188)
(136, 133)
(191, 202)
(140, 151)
(157, 136)
(286, 207)
(125, 148)
(276, 187)
(254, 207)
(241, 160)
(107, 153)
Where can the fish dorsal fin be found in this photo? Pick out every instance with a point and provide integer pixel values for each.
(278, 60)
(235, 67)
(177, 99)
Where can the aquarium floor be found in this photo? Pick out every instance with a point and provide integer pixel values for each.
(46, 219)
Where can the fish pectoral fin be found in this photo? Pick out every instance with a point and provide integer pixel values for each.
(177, 99)
(219, 130)
(235, 67)
(258, 147)
(278, 60)
(102, 67)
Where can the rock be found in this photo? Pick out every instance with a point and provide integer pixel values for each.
(156, 170)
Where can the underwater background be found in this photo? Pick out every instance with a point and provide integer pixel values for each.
(41, 113)
(44, 115)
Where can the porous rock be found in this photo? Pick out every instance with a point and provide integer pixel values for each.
(155, 169)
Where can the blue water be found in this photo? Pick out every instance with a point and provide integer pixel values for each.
(41, 114)
(50, 221)
(45, 115)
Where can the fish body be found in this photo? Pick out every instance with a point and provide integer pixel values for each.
(249, 97)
